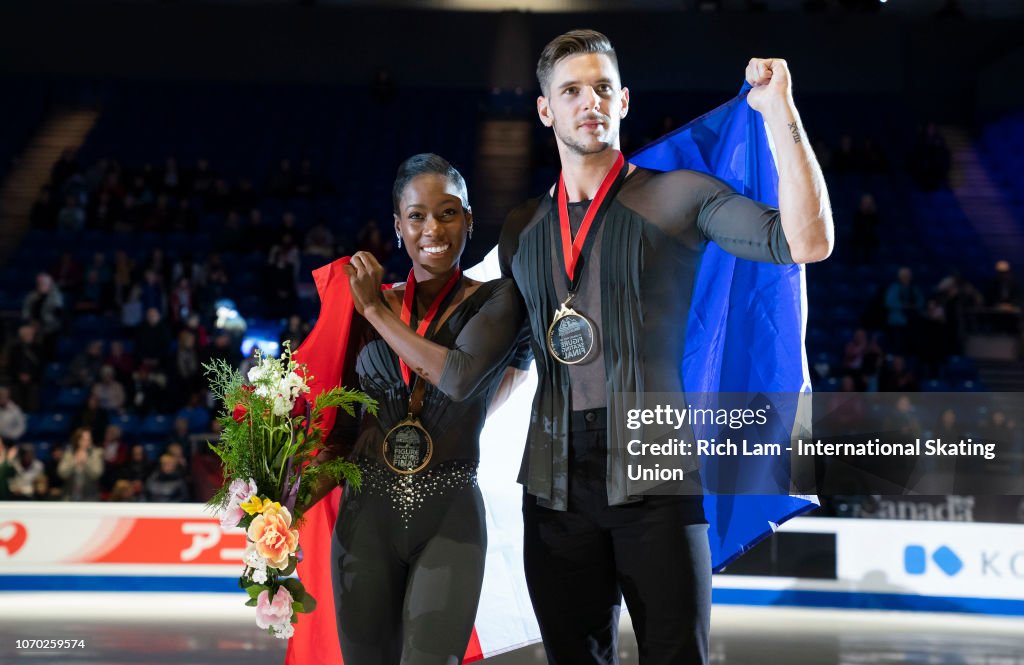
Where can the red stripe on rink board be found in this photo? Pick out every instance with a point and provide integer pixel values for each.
(474, 652)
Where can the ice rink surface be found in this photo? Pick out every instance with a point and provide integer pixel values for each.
(216, 629)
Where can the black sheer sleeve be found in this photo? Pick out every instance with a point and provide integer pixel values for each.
(485, 344)
(695, 207)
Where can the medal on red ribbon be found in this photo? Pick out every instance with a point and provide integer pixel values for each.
(407, 446)
(571, 334)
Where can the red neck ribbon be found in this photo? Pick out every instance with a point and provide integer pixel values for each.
(424, 325)
(571, 247)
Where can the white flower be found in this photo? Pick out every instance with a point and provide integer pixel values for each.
(253, 559)
(283, 631)
(282, 405)
(256, 373)
(259, 575)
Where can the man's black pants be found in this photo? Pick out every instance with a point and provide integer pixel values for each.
(581, 562)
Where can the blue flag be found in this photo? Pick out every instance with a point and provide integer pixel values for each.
(746, 323)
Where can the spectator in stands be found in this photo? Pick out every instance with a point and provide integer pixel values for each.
(104, 212)
(904, 418)
(81, 468)
(67, 273)
(27, 471)
(280, 279)
(122, 361)
(320, 241)
(845, 159)
(194, 412)
(92, 298)
(180, 434)
(123, 277)
(200, 181)
(54, 482)
(257, 237)
(896, 376)
(167, 484)
(370, 239)
(281, 184)
(170, 178)
(188, 268)
(936, 340)
(123, 491)
(948, 429)
(295, 332)
(7, 472)
(45, 304)
(307, 183)
(153, 296)
(137, 468)
(132, 309)
(115, 453)
(959, 298)
(71, 217)
(865, 228)
(903, 303)
(12, 418)
(149, 387)
(181, 301)
(186, 371)
(223, 349)
(185, 218)
(25, 367)
(108, 391)
(92, 417)
(84, 369)
(290, 226)
(194, 325)
(105, 273)
(177, 451)
(1003, 291)
(153, 338)
(873, 159)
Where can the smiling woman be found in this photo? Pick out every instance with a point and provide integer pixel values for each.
(408, 548)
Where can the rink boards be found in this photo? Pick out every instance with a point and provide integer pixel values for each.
(817, 562)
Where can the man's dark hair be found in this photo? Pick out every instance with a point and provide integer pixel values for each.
(427, 164)
(574, 42)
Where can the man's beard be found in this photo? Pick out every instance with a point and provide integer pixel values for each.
(579, 148)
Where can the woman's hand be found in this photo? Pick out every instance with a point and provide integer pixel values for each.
(364, 276)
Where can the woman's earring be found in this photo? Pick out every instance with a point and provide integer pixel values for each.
(399, 236)
(471, 233)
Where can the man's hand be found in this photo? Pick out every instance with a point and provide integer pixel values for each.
(364, 275)
(773, 88)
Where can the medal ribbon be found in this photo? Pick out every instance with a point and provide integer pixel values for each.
(572, 248)
(424, 325)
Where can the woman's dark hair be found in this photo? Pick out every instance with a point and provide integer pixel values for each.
(427, 164)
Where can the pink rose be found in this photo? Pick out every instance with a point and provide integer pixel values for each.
(274, 613)
(231, 516)
(238, 493)
(273, 537)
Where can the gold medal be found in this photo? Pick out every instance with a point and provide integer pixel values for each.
(407, 447)
(570, 335)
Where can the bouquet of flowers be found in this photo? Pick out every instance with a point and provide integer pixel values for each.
(268, 440)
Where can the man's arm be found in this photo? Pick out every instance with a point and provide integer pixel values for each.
(803, 199)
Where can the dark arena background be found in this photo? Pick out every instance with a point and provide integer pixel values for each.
(173, 170)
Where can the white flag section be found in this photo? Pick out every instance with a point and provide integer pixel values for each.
(505, 619)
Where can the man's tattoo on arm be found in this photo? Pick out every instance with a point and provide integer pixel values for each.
(795, 129)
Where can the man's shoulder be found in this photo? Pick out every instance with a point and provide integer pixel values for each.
(520, 217)
(674, 179)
